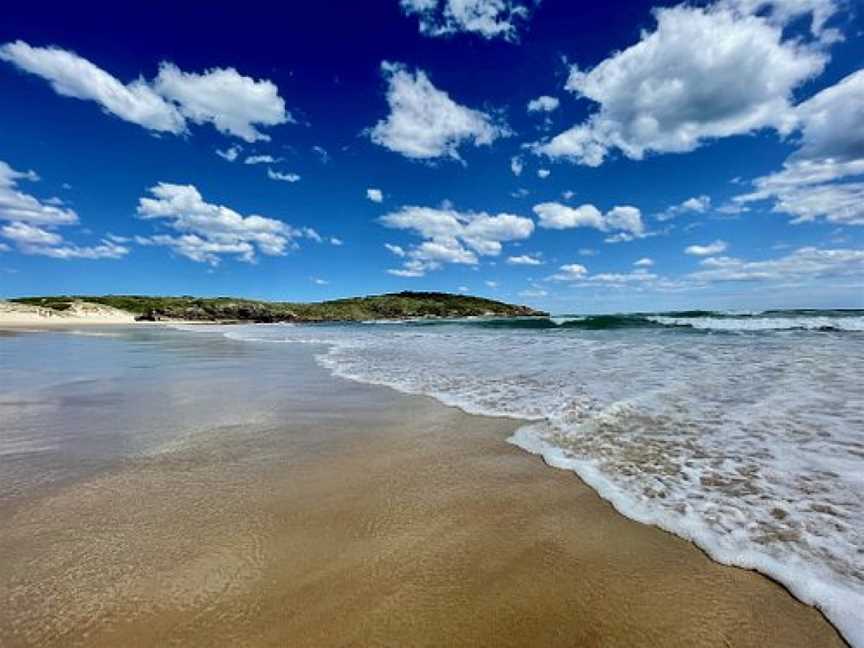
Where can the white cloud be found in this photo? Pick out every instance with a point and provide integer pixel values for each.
(644, 262)
(567, 195)
(453, 237)
(543, 104)
(208, 231)
(320, 282)
(336, 241)
(230, 154)
(310, 233)
(625, 219)
(463, 289)
(491, 284)
(706, 250)
(31, 222)
(73, 76)
(233, 103)
(557, 216)
(105, 250)
(29, 235)
(670, 92)
(781, 12)
(803, 263)
(543, 173)
(284, 177)
(570, 272)
(587, 252)
(516, 165)
(696, 204)
(620, 279)
(488, 18)
(375, 195)
(424, 122)
(524, 259)
(260, 159)
(398, 250)
(824, 178)
(18, 206)
(413, 268)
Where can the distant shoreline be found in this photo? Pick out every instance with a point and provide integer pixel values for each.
(121, 309)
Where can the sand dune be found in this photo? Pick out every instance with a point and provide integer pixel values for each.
(81, 312)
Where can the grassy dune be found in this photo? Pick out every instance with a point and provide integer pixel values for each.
(389, 306)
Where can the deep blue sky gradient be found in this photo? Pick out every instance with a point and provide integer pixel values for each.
(325, 59)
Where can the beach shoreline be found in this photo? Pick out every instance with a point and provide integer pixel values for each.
(366, 517)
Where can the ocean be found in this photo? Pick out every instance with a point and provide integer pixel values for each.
(743, 432)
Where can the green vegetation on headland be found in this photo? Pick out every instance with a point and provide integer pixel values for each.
(401, 305)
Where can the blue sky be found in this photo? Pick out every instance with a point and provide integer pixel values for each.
(573, 158)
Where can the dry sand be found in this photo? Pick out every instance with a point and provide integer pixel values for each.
(14, 315)
(403, 524)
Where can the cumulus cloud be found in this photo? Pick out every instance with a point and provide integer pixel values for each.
(543, 173)
(578, 275)
(233, 103)
(73, 76)
(18, 206)
(31, 224)
(543, 104)
(696, 204)
(206, 231)
(644, 262)
(782, 12)
(284, 177)
(824, 178)
(424, 122)
(525, 260)
(375, 195)
(803, 263)
(706, 250)
(670, 92)
(336, 241)
(624, 220)
(29, 235)
(570, 272)
(453, 237)
(487, 18)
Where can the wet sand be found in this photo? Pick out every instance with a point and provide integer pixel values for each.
(365, 518)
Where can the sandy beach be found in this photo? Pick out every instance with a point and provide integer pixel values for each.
(15, 315)
(351, 515)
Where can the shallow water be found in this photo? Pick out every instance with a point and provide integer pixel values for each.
(74, 403)
(741, 432)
